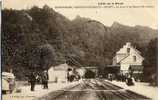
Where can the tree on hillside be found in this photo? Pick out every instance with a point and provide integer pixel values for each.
(47, 56)
(150, 62)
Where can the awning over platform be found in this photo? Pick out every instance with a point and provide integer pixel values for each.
(136, 67)
(113, 66)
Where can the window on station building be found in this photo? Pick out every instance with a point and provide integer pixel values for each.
(128, 50)
(134, 58)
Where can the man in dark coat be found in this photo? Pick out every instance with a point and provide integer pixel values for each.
(32, 80)
(45, 79)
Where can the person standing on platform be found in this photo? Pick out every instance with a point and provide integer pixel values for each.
(45, 79)
(32, 80)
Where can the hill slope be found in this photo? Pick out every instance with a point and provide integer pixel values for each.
(80, 42)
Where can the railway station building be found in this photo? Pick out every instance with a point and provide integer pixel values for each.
(129, 60)
(58, 73)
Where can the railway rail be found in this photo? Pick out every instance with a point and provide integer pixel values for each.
(93, 89)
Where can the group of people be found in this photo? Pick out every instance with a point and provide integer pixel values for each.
(40, 78)
(130, 81)
(72, 75)
(123, 78)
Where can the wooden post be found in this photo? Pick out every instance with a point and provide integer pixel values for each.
(157, 62)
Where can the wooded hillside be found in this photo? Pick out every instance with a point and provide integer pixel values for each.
(32, 35)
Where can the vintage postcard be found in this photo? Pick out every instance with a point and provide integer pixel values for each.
(79, 49)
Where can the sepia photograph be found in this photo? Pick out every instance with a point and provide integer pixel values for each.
(79, 49)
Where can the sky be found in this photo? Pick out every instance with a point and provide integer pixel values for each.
(126, 16)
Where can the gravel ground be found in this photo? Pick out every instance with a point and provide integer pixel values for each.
(93, 89)
(26, 94)
(141, 88)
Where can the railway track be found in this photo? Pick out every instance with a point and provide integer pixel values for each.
(63, 94)
(94, 89)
